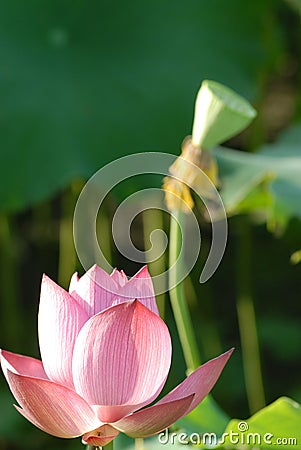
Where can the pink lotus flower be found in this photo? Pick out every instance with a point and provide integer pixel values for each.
(104, 357)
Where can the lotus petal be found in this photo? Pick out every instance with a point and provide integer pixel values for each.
(94, 291)
(23, 365)
(54, 408)
(100, 437)
(121, 359)
(60, 320)
(73, 282)
(154, 419)
(200, 382)
(140, 287)
(119, 277)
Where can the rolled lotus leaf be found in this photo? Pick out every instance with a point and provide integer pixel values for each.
(220, 113)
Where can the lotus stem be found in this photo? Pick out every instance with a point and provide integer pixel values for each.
(247, 323)
(177, 296)
(182, 314)
(109, 446)
(103, 230)
(209, 334)
(67, 254)
(152, 220)
(139, 444)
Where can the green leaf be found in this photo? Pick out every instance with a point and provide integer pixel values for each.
(83, 83)
(276, 425)
(267, 182)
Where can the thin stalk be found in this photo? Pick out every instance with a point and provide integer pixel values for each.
(104, 236)
(153, 220)
(247, 322)
(182, 315)
(208, 331)
(139, 444)
(177, 296)
(67, 253)
(109, 446)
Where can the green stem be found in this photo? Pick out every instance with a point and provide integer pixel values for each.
(139, 444)
(177, 297)
(208, 332)
(153, 220)
(109, 446)
(247, 322)
(67, 255)
(103, 229)
(208, 408)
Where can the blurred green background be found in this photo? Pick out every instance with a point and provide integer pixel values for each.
(85, 82)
